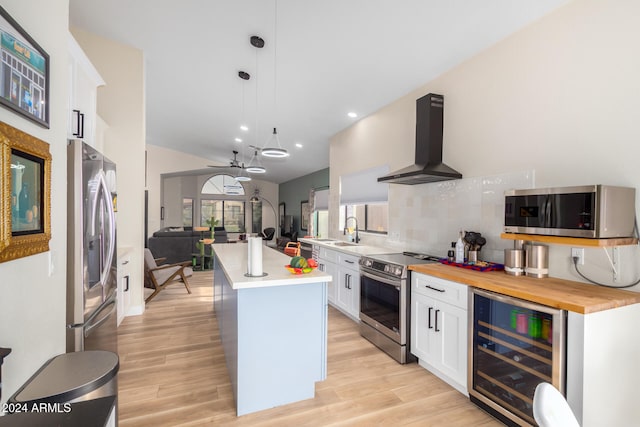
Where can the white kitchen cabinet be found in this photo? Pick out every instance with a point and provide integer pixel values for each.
(439, 328)
(348, 285)
(328, 255)
(84, 81)
(344, 291)
(331, 269)
(124, 280)
(327, 260)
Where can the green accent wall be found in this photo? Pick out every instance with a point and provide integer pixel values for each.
(295, 191)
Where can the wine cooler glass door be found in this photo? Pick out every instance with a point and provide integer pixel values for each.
(515, 345)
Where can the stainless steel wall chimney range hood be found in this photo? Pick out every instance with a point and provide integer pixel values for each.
(428, 166)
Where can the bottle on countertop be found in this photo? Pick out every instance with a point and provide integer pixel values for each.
(460, 249)
(451, 254)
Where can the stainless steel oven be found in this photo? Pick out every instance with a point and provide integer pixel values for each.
(385, 301)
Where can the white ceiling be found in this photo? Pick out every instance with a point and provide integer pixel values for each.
(331, 57)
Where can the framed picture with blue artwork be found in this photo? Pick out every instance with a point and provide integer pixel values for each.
(24, 72)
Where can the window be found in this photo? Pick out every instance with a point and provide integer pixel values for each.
(187, 212)
(321, 212)
(366, 199)
(223, 184)
(372, 218)
(223, 213)
(233, 218)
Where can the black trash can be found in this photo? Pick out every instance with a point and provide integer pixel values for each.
(69, 378)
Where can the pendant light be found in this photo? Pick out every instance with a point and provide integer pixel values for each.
(254, 164)
(243, 176)
(272, 147)
(257, 166)
(244, 76)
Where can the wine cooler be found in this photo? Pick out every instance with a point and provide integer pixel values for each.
(513, 346)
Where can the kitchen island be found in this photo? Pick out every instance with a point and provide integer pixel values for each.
(273, 328)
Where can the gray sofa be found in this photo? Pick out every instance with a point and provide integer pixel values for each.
(178, 246)
(175, 246)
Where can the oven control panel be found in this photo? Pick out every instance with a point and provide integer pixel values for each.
(394, 270)
(394, 265)
(385, 267)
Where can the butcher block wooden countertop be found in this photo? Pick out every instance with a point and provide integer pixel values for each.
(559, 293)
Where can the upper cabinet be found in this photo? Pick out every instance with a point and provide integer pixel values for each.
(84, 81)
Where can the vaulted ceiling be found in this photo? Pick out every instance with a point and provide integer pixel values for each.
(321, 60)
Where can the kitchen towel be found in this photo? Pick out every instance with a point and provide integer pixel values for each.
(254, 260)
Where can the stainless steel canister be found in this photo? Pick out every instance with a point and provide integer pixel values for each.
(537, 261)
(514, 262)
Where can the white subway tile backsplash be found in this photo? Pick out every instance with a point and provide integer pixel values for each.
(428, 217)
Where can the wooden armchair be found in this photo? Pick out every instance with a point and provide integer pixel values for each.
(157, 277)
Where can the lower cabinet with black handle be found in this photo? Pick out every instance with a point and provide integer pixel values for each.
(439, 326)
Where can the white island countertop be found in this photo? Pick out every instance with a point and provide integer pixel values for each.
(233, 260)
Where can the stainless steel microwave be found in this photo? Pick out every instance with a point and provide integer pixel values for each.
(592, 211)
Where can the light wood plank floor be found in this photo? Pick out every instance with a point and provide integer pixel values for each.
(173, 373)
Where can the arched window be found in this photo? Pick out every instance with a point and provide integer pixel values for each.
(223, 184)
(218, 210)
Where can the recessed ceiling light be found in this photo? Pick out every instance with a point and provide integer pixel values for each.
(244, 127)
(352, 115)
(298, 145)
(238, 140)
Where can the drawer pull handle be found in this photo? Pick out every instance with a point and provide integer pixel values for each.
(435, 289)
(350, 262)
(429, 316)
(437, 330)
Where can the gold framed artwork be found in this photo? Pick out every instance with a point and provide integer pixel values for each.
(25, 228)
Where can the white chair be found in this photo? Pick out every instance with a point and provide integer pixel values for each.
(550, 409)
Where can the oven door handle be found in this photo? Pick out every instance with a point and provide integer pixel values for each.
(395, 283)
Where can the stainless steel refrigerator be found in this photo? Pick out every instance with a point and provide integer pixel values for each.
(92, 270)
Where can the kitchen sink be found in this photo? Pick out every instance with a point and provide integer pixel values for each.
(325, 240)
(345, 244)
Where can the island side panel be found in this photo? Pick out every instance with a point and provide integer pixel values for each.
(228, 327)
(218, 280)
(282, 341)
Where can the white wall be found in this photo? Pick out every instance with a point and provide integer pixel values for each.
(121, 104)
(560, 98)
(163, 160)
(32, 299)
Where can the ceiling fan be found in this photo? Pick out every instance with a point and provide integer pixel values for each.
(233, 163)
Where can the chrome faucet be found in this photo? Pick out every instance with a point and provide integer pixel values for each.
(357, 238)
